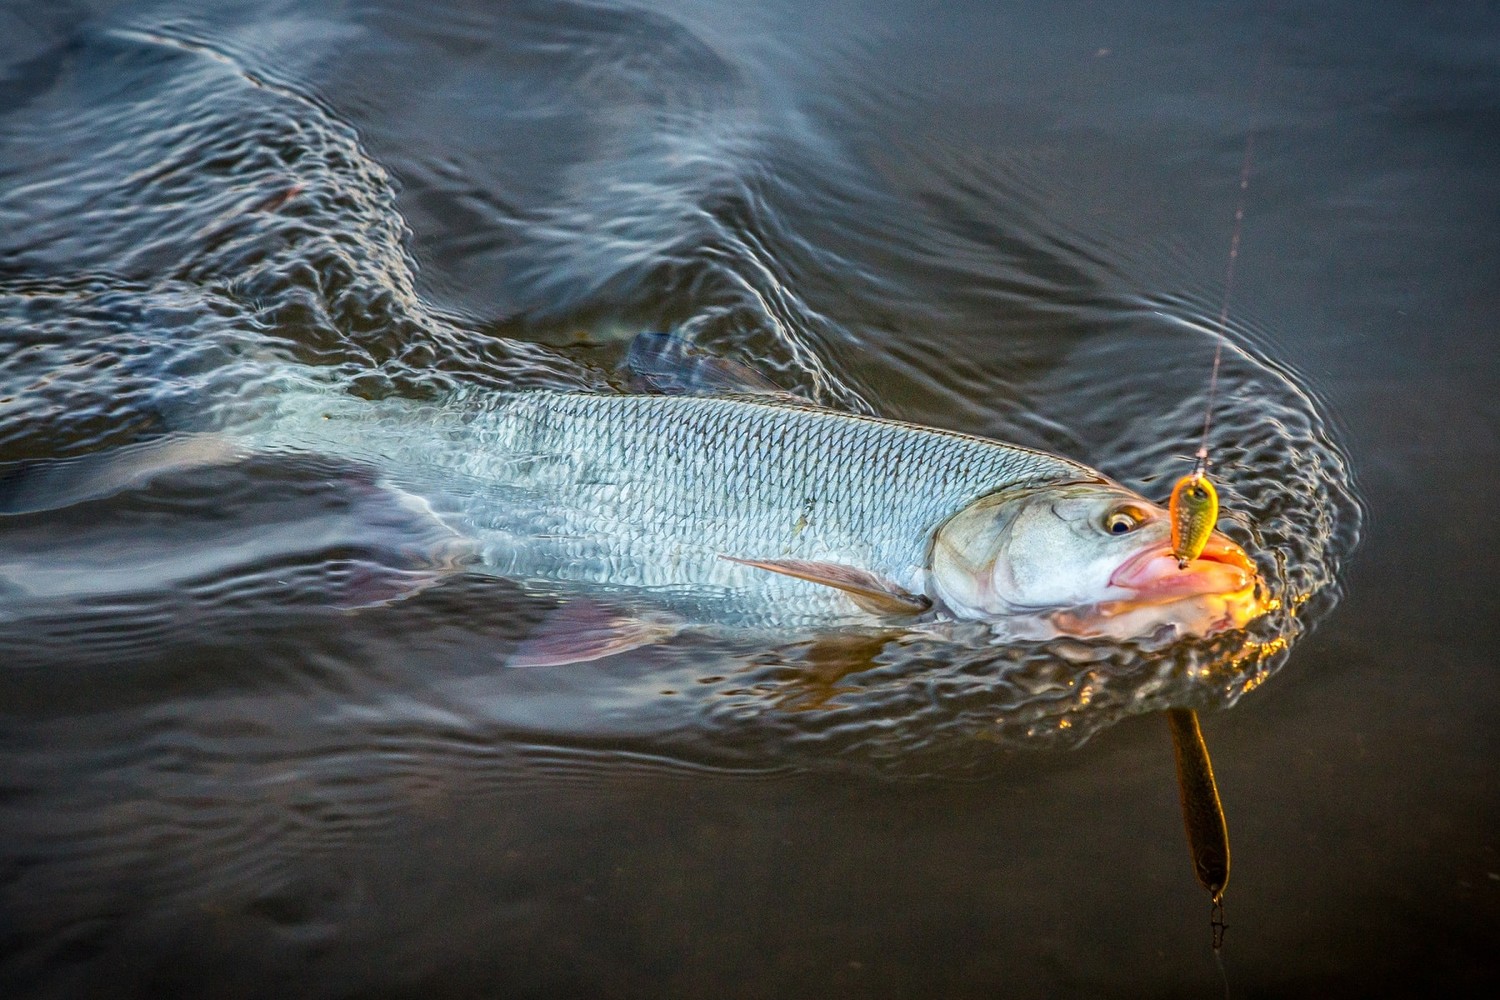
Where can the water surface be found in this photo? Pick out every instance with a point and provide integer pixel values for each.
(233, 766)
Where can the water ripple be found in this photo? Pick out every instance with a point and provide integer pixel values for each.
(206, 211)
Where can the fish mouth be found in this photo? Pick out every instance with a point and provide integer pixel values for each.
(1153, 575)
(1218, 591)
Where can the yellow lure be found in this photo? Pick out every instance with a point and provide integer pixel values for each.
(1194, 511)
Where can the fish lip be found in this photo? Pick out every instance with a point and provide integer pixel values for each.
(1201, 615)
(1220, 590)
(1153, 574)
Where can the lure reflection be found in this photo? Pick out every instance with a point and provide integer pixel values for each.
(1202, 813)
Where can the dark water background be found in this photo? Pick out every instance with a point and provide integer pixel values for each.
(220, 781)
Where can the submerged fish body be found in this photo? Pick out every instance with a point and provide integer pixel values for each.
(676, 495)
(654, 491)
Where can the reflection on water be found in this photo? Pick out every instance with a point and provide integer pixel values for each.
(230, 686)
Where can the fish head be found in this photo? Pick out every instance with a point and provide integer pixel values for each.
(1089, 559)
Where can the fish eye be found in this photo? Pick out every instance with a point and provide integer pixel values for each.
(1122, 521)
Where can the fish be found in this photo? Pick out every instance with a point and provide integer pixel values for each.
(763, 508)
(717, 498)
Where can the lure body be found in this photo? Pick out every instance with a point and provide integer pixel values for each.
(1194, 510)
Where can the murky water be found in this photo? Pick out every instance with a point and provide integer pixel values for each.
(234, 766)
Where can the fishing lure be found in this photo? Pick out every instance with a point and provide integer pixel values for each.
(1194, 510)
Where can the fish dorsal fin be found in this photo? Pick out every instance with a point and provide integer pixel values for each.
(668, 365)
(870, 591)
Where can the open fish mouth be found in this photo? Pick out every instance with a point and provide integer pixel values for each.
(1153, 576)
(1219, 591)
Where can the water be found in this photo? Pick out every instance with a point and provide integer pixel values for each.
(233, 768)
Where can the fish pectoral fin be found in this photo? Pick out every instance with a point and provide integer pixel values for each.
(582, 630)
(870, 591)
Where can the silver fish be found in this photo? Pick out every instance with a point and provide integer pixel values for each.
(776, 511)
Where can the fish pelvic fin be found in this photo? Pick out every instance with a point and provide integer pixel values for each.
(871, 592)
(582, 630)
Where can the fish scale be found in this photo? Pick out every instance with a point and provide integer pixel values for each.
(651, 491)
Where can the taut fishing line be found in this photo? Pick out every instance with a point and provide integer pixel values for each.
(1194, 505)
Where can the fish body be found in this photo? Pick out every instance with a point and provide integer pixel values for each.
(686, 496)
(653, 490)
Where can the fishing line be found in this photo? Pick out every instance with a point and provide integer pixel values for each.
(1201, 457)
(1194, 504)
(1216, 920)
